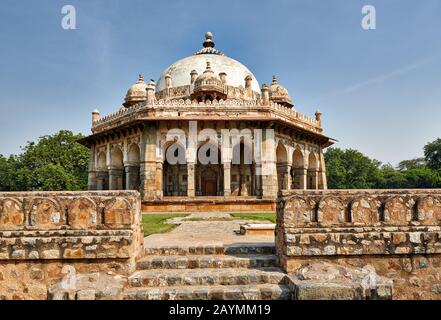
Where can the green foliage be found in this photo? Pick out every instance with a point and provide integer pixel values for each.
(412, 164)
(432, 154)
(350, 169)
(56, 162)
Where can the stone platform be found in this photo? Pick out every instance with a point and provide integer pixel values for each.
(201, 204)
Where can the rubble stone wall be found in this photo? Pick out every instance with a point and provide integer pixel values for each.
(396, 231)
(42, 232)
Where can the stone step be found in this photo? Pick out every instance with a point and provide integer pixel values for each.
(207, 261)
(259, 248)
(205, 277)
(239, 292)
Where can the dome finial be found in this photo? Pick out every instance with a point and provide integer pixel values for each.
(208, 43)
(274, 79)
(140, 78)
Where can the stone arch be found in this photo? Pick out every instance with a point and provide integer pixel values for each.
(298, 173)
(313, 168)
(174, 172)
(133, 154)
(365, 211)
(116, 157)
(116, 170)
(82, 214)
(331, 211)
(209, 172)
(132, 167)
(429, 210)
(102, 161)
(102, 175)
(297, 212)
(12, 216)
(398, 210)
(282, 166)
(243, 175)
(45, 213)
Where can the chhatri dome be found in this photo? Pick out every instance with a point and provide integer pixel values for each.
(137, 92)
(179, 72)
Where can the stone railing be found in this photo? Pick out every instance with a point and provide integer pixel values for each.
(276, 108)
(41, 232)
(397, 231)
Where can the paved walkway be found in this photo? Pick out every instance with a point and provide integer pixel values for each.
(205, 233)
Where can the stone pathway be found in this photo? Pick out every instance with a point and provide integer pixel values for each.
(206, 233)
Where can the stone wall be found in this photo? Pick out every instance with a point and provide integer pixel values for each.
(398, 232)
(41, 232)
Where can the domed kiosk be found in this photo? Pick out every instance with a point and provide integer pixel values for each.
(207, 136)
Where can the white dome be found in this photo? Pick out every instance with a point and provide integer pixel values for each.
(180, 70)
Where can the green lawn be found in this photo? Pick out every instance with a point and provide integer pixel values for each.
(154, 223)
(271, 216)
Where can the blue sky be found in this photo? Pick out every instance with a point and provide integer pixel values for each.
(379, 90)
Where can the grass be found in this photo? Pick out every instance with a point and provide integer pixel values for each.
(269, 216)
(154, 223)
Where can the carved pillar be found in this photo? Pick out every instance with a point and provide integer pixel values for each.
(300, 175)
(258, 180)
(312, 179)
(132, 177)
(269, 167)
(191, 190)
(148, 162)
(116, 179)
(158, 181)
(227, 179)
(286, 177)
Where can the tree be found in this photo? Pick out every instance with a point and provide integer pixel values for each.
(391, 179)
(56, 162)
(7, 170)
(422, 177)
(432, 154)
(350, 169)
(411, 164)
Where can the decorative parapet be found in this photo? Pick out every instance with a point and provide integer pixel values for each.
(359, 222)
(222, 105)
(70, 225)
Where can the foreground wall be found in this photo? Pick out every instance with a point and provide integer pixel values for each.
(42, 232)
(398, 232)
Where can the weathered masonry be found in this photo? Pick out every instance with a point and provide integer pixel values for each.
(398, 232)
(129, 147)
(42, 232)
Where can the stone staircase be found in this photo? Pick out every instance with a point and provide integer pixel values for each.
(239, 272)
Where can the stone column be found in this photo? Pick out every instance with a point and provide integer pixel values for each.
(258, 181)
(132, 173)
(269, 166)
(191, 191)
(159, 190)
(312, 178)
(227, 179)
(148, 162)
(286, 177)
(300, 175)
(116, 179)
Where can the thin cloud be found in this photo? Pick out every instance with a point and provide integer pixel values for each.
(381, 78)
